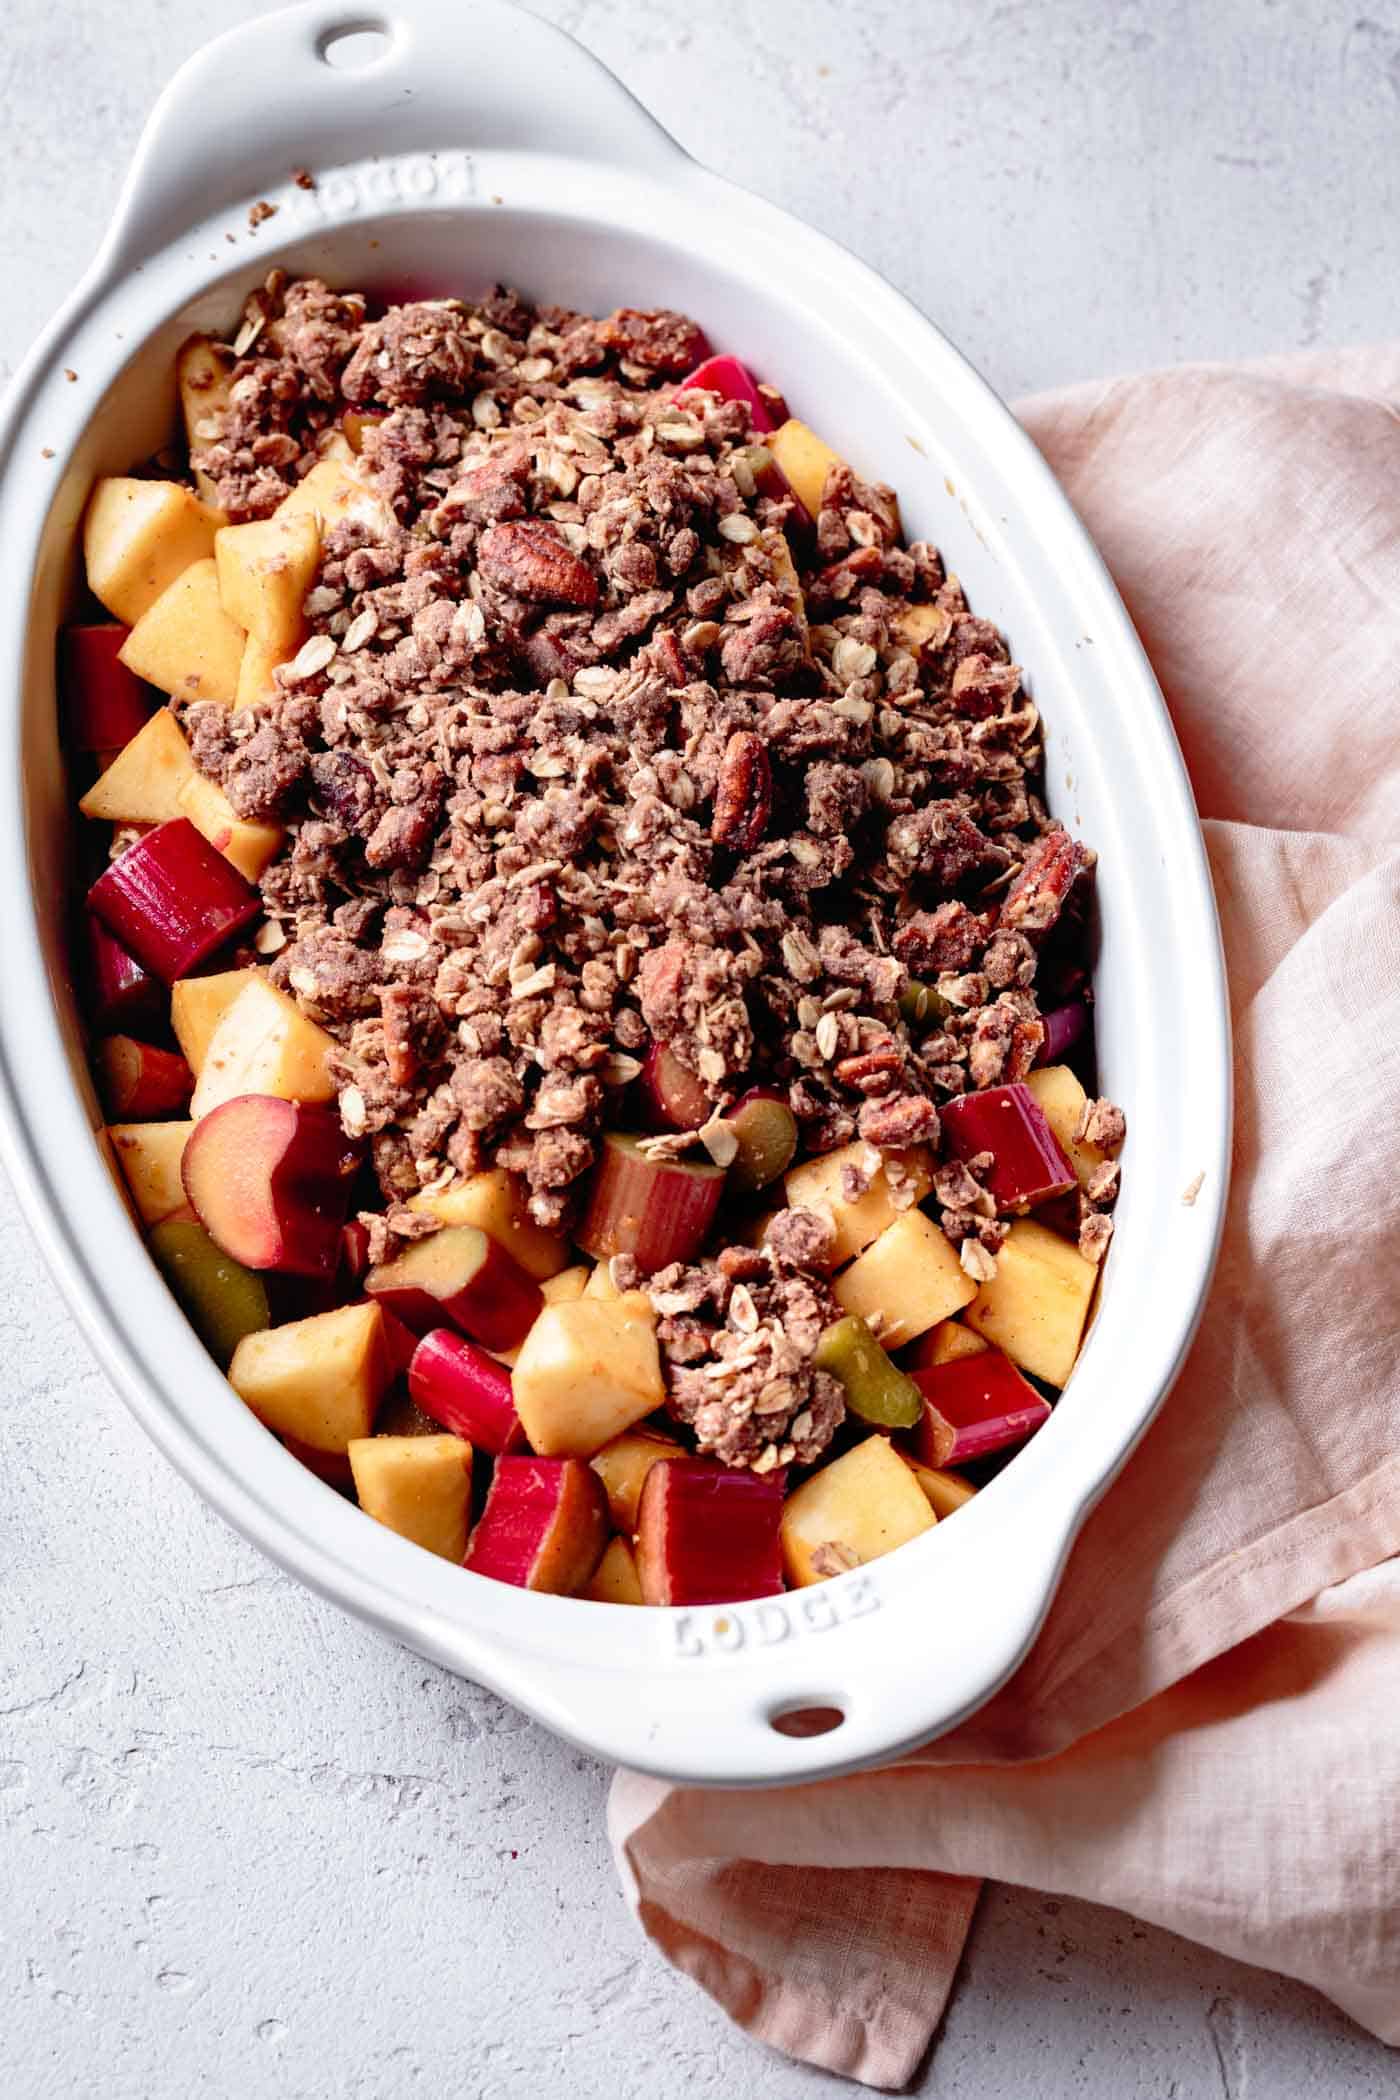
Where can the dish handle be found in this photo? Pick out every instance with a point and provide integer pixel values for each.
(321, 84)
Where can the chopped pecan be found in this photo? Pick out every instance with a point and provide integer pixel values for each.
(661, 341)
(743, 793)
(529, 560)
(872, 1071)
(1049, 872)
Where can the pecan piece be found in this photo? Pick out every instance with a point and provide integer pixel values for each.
(872, 1071)
(743, 793)
(662, 341)
(399, 1008)
(526, 559)
(1049, 872)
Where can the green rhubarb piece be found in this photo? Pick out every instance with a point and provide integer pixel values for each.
(221, 1299)
(876, 1389)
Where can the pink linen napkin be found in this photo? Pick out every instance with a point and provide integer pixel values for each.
(1205, 1733)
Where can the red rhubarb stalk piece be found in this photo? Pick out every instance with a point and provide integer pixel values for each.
(331, 1466)
(1009, 1122)
(172, 899)
(463, 1276)
(673, 1098)
(119, 990)
(1064, 1025)
(766, 1129)
(139, 1082)
(732, 381)
(354, 1248)
(544, 1526)
(659, 1210)
(466, 1391)
(974, 1405)
(270, 1181)
(708, 1534)
(104, 704)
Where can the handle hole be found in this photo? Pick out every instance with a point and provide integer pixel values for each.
(351, 46)
(806, 1720)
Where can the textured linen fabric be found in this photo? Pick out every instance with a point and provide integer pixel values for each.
(1205, 1733)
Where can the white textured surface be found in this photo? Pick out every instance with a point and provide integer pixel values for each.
(244, 1846)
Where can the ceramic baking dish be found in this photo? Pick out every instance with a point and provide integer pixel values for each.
(480, 144)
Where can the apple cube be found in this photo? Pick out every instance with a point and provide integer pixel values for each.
(587, 1372)
(498, 1203)
(623, 1465)
(198, 1004)
(555, 1290)
(544, 1527)
(600, 1283)
(943, 1344)
(946, 1492)
(805, 460)
(334, 490)
(318, 1380)
(615, 1579)
(1062, 1101)
(138, 536)
(908, 1281)
(265, 570)
(149, 1155)
(143, 783)
(203, 373)
(256, 684)
(249, 846)
(264, 1045)
(1035, 1306)
(419, 1486)
(816, 1185)
(185, 642)
(104, 704)
(855, 1509)
(708, 1534)
(460, 1276)
(270, 1181)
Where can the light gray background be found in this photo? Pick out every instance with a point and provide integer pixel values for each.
(245, 1847)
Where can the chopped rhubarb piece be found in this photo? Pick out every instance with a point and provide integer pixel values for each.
(465, 1390)
(1009, 1122)
(983, 1400)
(460, 1275)
(221, 1299)
(331, 1466)
(658, 1210)
(672, 1096)
(766, 1131)
(354, 1247)
(1064, 1025)
(270, 1181)
(877, 1391)
(139, 1082)
(544, 1526)
(173, 899)
(119, 991)
(732, 381)
(104, 704)
(707, 1534)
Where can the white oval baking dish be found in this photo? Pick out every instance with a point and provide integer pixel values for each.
(482, 144)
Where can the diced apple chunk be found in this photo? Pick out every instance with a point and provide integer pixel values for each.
(419, 1486)
(138, 536)
(1035, 1306)
(256, 685)
(264, 1045)
(588, 1371)
(615, 1579)
(623, 1465)
(145, 780)
(945, 1492)
(805, 460)
(265, 570)
(334, 490)
(149, 1155)
(555, 1290)
(499, 1204)
(198, 1004)
(859, 1507)
(185, 642)
(249, 846)
(600, 1283)
(908, 1281)
(203, 372)
(816, 1185)
(318, 1380)
(944, 1344)
(1062, 1101)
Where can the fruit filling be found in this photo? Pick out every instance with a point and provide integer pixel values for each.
(595, 1012)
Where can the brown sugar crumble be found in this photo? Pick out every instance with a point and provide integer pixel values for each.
(595, 743)
(260, 212)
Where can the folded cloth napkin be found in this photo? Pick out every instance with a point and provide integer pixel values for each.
(1205, 1732)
